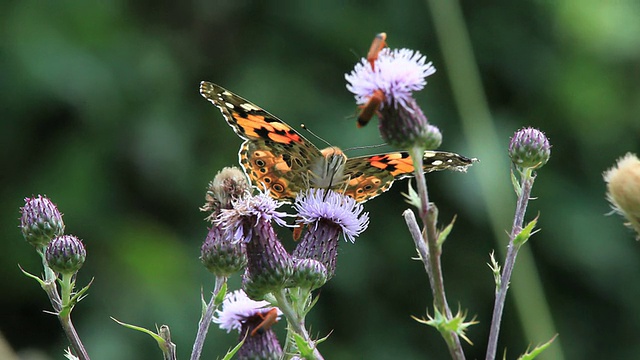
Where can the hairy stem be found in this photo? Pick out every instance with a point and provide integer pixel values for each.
(428, 215)
(296, 321)
(512, 251)
(205, 320)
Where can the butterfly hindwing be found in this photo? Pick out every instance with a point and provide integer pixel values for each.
(372, 175)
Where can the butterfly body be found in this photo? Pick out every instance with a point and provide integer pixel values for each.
(277, 158)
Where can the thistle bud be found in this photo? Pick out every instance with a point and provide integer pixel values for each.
(65, 254)
(40, 221)
(529, 148)
(221, 256)
(308, 274)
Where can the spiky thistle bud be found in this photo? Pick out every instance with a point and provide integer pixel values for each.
(65, 254)
(623, 190)
(529, 148)
(327, 216)
(308, 274)
(221, 256)
(252, 319)
(268, 264)
(40, 221)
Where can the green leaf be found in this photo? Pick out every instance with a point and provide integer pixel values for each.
(161, 342)
(516, 185)
(412, 197)
(233, 351)
(496, 270)
(525, 233)
(32, 276)
(442, 236)
(305, 350)
(539, 349)
(221, 294)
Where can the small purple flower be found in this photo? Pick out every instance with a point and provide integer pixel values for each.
(327, 214)
(253, 319)
(398, 73)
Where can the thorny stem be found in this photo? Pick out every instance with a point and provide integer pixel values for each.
(61, 305)
(428, 215)
(205, 320)
(512, 251)
(295, 321)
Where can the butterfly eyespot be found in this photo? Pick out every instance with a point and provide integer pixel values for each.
(368, 187)
(263, 170)
(359, 191)
(260, 163)
(277, 188)
(267, 180)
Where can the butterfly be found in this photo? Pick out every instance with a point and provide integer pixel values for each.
(278, 159)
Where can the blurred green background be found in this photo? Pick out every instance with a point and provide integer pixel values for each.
(101, 112)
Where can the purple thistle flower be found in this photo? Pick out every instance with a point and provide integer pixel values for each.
(327, 214)
(268, 263)
(386, 89)
(398, 73)
(254, 319)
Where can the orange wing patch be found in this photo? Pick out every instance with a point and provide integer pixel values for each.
(396, 164)
(258, 127)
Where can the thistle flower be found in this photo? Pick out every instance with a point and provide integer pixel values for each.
(253, 319)
(249, 222)
(229, 183)
(623, 190)
(327, 214)
(389, 85)
(529, 148)
(221, 256)
(40, 221)
(65, 254)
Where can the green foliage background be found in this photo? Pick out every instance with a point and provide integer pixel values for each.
(101, 112)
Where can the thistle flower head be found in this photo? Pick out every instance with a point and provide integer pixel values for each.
(327, 214)
(316, 205)
(221, 256)
(389, 85)
(40, 221)
(239, 221)
(65, 254)
(229, 184)
(250, 222)
(529, 148)
(236, 308)
(398, 73)
(308, 274)
(253, 320)
(623, 189)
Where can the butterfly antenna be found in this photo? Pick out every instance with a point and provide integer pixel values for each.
(365, 147)
(315, 136)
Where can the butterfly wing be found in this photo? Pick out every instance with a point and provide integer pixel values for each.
(370, 176)
(274, 156)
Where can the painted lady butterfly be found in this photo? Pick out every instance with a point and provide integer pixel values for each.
(277, 158)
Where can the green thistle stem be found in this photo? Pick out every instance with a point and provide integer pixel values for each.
(295, 320)
(512, 251)
(431, 257)
(205, 320)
